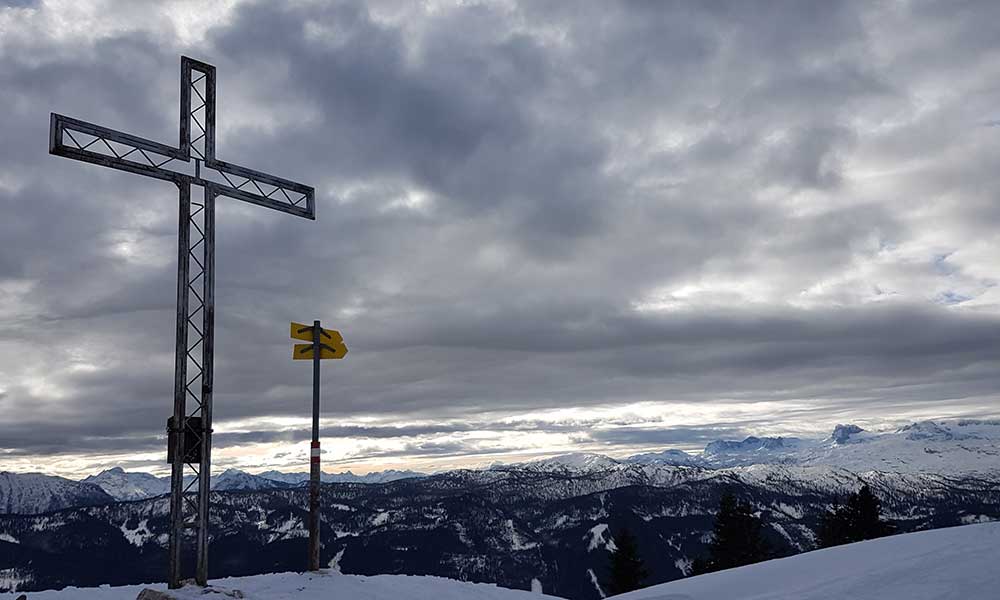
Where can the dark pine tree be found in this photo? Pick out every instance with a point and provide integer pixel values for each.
(737, 538)
(866, 510)
(834, 528)
(627, 569)
(856, 520)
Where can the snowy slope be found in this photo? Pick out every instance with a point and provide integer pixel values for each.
(234, 479)
(122, 485)
(576, 461)
(303, 586)
(33, 493)
(957, 563)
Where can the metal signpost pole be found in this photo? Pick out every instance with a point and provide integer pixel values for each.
(190, 428)
(324, 344)
(314, 453)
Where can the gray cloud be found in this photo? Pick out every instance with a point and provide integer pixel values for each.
(520, 209)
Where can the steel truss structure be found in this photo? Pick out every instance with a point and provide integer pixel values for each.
(190, 427)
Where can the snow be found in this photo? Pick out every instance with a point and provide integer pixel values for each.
(335, 561)
(684, 565)
(599, 536)
(309, 586)
(138, 536)
(6, 537)
(956, 563)
(597, 584)
(122, 485)
(957, 446)
(517, 541)
(299, 478)
(234, 479)
(670, 457)
(11, 578)
(574, 461)
(34, 493)
(290, 529)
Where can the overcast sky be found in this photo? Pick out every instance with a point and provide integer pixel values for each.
(541, 226)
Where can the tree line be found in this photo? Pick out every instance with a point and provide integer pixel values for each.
(738, 538)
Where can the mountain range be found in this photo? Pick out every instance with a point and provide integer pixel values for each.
(33, 493)
(550, 520)
(963, 446)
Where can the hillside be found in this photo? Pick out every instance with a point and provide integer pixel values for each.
(507, 526)
(30, 493)
(956, 563)
(304, 586)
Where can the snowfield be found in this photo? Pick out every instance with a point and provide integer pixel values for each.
(957, 563)
(324, 585)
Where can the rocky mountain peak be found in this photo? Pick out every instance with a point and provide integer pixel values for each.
(842, 433)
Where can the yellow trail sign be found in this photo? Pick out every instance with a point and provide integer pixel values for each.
(330, 337)
(305, 351)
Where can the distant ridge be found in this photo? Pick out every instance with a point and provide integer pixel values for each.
(958, 446)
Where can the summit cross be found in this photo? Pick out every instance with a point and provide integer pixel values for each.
(191, 163)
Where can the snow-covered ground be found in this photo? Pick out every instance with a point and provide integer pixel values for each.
(305, 586)
(957, 563)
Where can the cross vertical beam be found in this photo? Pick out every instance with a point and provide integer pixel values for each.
(191, 470)
(190, 427)
(178, 437)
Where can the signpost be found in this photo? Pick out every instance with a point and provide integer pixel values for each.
(189, 431)
(326, 344)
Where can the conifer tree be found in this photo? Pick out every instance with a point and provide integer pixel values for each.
(737, 538)
(856, 520)
(627, 568)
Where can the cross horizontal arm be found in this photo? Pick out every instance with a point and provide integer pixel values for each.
(113, 149)
(107, 147)
(260, 188)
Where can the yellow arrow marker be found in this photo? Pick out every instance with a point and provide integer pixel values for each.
(305, 351)
(330, 337)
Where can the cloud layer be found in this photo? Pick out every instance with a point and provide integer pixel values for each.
(541, 226)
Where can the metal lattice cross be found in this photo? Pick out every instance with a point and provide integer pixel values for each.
(190, 429)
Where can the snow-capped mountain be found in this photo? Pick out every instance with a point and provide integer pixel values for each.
(574, 461)
(752, 450)
(942, 447)
(511, 525)
(549, 520)
(301, 478)
(234, 479)
(122, 485)
(667, 457)
(965, 446)
(32, 493)
(956, 562)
